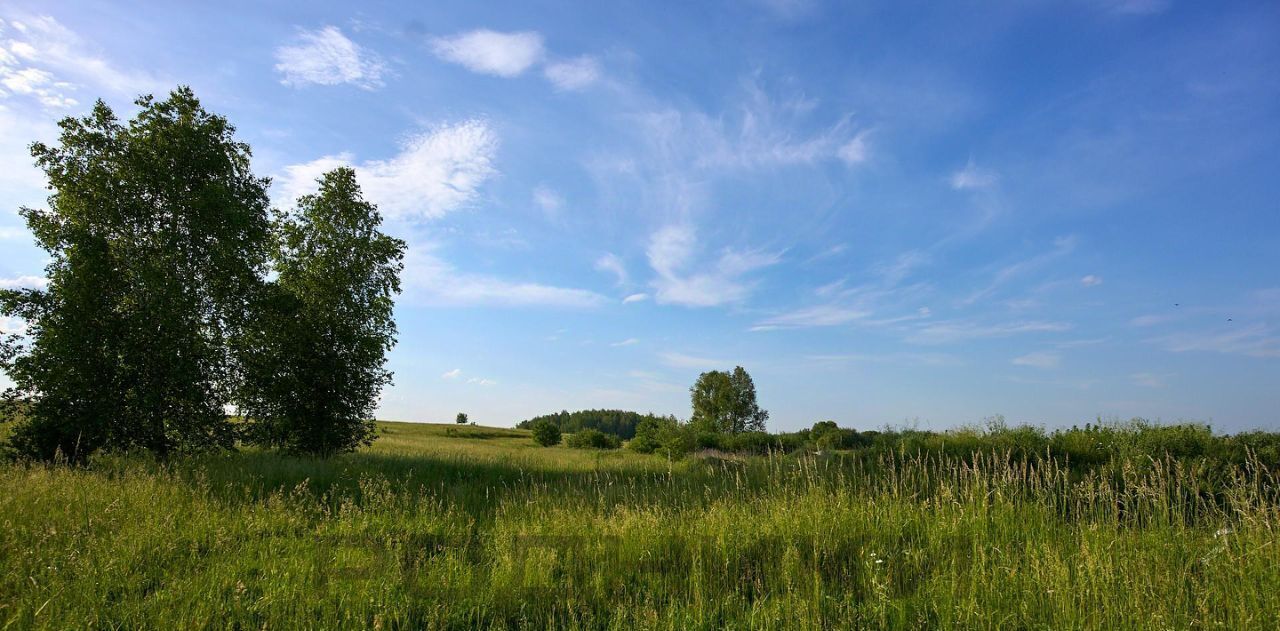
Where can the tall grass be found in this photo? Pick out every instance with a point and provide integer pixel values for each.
(484, 529)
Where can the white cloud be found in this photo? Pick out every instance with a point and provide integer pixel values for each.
(1150, 320)
(11, 326)
(1257, 340)
(973, 177)
(35, 83)
(482, 382)
(452, 374)
(24, 282)
(430, 280)
(856, 151)
(1091, 280)
(548, 200)
(789, 9)
(821, 315)
(915, 359)
(8, 232)
(436, 172)
(1135, 7)
(1148, 379)
(671, 251)
(952, 331)
(631, 341)
(764, 134)
(573, 74)
(612, 264)
(42, 59)
(1062, 246)
(490, 52)
(1038, 360)
(327, 57)
(681, 360)
(635, 298)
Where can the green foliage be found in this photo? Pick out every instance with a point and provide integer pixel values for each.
(315, 363)
(620, 423)
(461, 419)
(663, 435)
(546, 433)
(726, 403)
(157, 235)
(593, 439)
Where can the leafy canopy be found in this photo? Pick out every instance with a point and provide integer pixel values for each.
(546, 433)
(725, 402)
(317, 359)
(157, 234)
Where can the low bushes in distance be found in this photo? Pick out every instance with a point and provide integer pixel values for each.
(593, 439)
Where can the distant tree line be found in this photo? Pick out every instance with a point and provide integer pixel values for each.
(176, 295)
(620, 423)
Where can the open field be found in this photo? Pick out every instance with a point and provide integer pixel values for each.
(482, 528)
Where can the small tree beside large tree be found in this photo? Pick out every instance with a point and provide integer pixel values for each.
(317, 362)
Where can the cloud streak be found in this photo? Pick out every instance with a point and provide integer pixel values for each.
(436, 172)
(430, 280)
(671, 254)
(326, 57)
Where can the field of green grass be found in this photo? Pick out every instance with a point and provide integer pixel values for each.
(468, 527)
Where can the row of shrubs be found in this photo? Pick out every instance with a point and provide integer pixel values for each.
(1090, 446)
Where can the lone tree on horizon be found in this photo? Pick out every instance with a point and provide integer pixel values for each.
(725, 402)
(461, 418)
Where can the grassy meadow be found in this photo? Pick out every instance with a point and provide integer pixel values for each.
(438, 527)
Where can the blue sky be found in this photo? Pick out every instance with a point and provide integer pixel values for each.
(926, 213)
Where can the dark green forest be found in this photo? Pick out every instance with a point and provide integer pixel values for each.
(620, 423)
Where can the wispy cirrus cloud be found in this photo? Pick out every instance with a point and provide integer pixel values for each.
(431, 280)
(680, 280)
(842, 304)
(954, 331)
(436, 172)
(1062, 246)
(1040, 359)
(612, 264)
(1149, 380)
(758, 144)
(1133, 7)
(820, 315)
(973, 177)
(682, 360)
(327, 57)
(41, 58)
(573, 74)
(1256, 340)
(548, 200)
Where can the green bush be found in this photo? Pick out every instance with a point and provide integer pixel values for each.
(593, 439)
(546, 433)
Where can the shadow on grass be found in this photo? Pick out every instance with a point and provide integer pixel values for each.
(477, 484)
